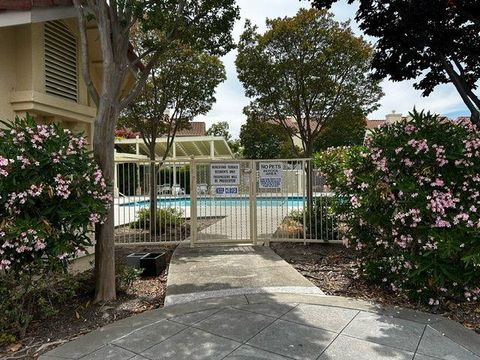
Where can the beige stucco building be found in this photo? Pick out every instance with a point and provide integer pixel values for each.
(40, 64)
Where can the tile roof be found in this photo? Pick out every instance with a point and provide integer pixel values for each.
(374, 123)
(197, 128)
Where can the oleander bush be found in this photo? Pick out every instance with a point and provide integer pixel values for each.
(410, 203)
(51, 193)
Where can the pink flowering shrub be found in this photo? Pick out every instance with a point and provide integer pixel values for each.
(409, 203)
(51, 193)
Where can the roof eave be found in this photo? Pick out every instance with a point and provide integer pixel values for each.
(35, 15)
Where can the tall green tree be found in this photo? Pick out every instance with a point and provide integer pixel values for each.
(435, 41)
(307, 68)
(347, 129)
(264, 140)
(180, 87)
(201, 24)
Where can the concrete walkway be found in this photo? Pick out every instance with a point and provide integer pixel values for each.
(276, 326)
(218, 271)
(239, 302)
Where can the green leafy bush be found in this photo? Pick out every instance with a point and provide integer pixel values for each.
(321, 222)
(126, 276)
(411, 199)
(166, 219)
(51, 193)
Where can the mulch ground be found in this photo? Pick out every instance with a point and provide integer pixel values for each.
(81, 316)
(332, 268)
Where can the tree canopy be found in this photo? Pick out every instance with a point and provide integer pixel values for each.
(180, 87)
(437, 41)
(306, 68)
(264, 140)
(220, 128)
(347, 129)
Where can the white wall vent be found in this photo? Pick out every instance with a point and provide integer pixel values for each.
(60, 61)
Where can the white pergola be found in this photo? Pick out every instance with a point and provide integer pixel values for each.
(183, 148)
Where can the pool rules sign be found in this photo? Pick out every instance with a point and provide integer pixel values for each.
(270, 175)
(224, 174)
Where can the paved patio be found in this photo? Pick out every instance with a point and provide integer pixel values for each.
(247, 303)
(277, 326)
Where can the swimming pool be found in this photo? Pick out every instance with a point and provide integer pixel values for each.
(294, 201)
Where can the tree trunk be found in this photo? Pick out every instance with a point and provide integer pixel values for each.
(103, 145)
(475, 118)
(460, 86)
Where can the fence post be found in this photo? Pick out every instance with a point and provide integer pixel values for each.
(253, 202)
(305, 208)
(193, 202)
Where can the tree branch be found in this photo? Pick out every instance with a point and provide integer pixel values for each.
(84, 52)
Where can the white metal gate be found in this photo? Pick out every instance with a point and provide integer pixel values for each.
(222, 201)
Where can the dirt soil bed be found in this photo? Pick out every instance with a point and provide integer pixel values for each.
(332, 268)
(173, 233)
(81, 316)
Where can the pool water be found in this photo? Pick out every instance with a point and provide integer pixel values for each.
(295, 201)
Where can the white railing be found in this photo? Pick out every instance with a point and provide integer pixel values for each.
(219, 201)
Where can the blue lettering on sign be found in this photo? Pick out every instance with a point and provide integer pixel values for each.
(270, 183)
(232, 190)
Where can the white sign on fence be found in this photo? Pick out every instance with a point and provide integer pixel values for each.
(271, 175)
(225, 174)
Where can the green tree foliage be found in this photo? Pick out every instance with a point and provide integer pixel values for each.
(307, 67)
(437, 40)
(348, 129)
(264, 140)
(180, 87)
(220, 128)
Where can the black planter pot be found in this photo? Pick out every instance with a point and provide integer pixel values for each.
(153, 264)
(133, 260)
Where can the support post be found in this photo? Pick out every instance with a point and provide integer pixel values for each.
(253, 202)
(115, 176)
(305, 208)
(174, 167)
(193, 202)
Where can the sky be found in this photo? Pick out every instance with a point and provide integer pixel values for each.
(399, 96)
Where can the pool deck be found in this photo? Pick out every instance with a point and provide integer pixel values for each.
(234, 225)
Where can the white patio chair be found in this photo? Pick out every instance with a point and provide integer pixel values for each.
(202, 189)
(164, 189)
(177, 190)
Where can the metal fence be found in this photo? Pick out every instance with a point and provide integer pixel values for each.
(221, 201)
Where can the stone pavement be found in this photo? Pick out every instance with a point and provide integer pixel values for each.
(240, 302)
(216, 271)
(277, 326)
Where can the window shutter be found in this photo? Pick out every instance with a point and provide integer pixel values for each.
(60, 61)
